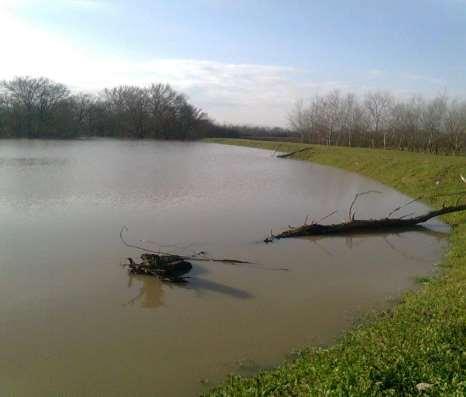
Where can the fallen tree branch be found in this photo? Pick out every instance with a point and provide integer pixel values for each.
(194, 257)
(189, 257)
(351, 214)
(327, 216)
(404, 205)
(286, 155)
(138, 247)
(170, 268)
(462, 192)
(365, 225)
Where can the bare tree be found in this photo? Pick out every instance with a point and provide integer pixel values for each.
(332, 114)
(299, 121)
(379, 104)
(380, 119)
(34, 102)
(433, 118)
(455, 125)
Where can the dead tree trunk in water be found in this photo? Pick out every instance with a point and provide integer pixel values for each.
(364, 225)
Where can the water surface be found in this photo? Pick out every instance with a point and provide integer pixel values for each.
(72, 322)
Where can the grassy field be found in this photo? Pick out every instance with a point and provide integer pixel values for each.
(416, 348)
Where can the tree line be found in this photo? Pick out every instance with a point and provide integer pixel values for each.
(379, 120)
(42, 108)
(254, 132)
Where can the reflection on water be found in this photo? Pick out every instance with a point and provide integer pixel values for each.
(150, 293)
(412, 254)
(390, 238)
(151, 289)
(73, 322)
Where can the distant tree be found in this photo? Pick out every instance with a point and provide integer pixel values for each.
(433, 118)
(83, 106)
(380, 120)
(455, 125)
(332, 115)
(299, 120)
(41, 108)
(34, 103)
(379, 104)
(353, 118)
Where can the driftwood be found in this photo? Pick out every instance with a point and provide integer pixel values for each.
(172, 267)
(286, 155)
(167, 267)
(363, 225)
(196, 257)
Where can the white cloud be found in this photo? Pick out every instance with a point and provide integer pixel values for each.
(30, 51)
(375, 73)
(247, 93)
(244, 93)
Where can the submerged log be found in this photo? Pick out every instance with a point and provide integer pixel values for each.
(364, 225)
(166, 267)
(200, 256)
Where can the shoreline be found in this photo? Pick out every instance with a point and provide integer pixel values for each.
(416, 346)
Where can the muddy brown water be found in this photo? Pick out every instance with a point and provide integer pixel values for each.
(72, 322)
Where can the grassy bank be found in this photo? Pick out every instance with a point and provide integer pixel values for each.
(421, 342)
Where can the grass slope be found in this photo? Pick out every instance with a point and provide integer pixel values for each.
(422, 339)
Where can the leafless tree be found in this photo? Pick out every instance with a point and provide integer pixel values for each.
(433, 118)
(379, 104)
(455, 125)
(31, 107)
(381, 120)
(298, 119)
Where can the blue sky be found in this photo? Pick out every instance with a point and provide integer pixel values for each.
(241, 61)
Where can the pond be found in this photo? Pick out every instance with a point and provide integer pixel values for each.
(73, 322)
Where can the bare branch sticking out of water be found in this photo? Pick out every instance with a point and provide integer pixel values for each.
(462, 192)
(403, 206)
(367, 225)
(327, 216)
(196, 257)
(158, 252)
(352, 214)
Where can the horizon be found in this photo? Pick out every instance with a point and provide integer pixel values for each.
(241, 62)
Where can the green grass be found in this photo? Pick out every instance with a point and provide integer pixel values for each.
(420, 340)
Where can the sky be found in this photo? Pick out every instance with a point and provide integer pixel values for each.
(241, 61)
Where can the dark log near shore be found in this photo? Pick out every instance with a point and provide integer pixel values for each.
(286, 155)
(166, 267)
(172, 267)
(195, 257)
(363, 225)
